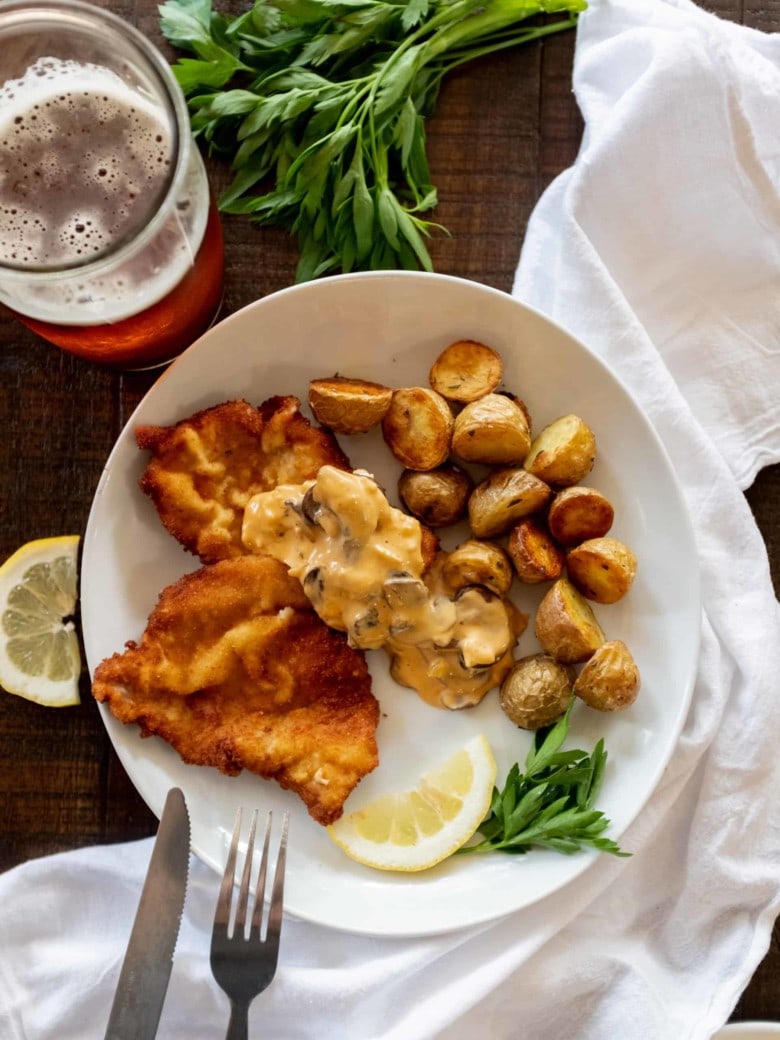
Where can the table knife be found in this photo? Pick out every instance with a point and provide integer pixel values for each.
(146, 969)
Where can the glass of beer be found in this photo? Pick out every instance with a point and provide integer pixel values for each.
(110, 243)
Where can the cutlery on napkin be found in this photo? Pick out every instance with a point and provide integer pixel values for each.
(146, 969)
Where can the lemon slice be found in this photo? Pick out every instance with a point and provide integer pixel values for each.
(416, 829)
(39, 649)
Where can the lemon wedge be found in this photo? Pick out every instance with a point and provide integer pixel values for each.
(417, 829)
(39, 649)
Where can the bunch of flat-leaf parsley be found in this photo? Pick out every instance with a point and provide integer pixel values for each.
(550, 804)
(321, 106)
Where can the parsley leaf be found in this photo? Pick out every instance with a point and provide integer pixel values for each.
(321, 107)
(550, 804)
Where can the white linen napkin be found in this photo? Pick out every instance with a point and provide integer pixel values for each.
(659, 249)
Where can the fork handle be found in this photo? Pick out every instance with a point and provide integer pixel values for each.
(238, 1026)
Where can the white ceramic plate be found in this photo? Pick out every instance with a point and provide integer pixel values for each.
(748, 1031)
(389, 327)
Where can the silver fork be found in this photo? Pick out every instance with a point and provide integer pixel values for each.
(243, 963)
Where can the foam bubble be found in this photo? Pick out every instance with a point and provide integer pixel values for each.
(83, 158)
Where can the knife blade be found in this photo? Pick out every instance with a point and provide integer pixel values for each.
(146, 969)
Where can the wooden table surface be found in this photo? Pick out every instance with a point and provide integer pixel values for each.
(504, 127)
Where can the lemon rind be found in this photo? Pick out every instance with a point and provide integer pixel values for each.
(36, 688)
(453, 835)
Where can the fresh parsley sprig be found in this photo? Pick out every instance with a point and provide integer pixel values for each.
(551, 803)
(321, 106)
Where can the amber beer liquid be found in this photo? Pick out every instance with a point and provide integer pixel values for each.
(110, 244)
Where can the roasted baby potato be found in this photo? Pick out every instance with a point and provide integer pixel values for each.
(563, 453)
(602, 569)
(418, 427)
(535, 555)
(466, 370)
(478, 563)
(348, 405)
(504, 497)
(610, 680)
(566, 626)
(493, 430)
(578, 513)
(520, 404)
(537, 691)
(438, 497)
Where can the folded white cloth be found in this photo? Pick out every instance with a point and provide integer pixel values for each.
(659, 249)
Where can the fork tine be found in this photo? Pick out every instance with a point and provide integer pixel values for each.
(225, 898)
(257, 916)
(239, 928)
(275, 913)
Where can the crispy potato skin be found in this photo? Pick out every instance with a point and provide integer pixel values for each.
(578, 513)
(466, 370)
(493, 430)
(348, 405)
(535, 555)
(563, 453)
(520, 404)
(566, 626)
(504, 497)
(610, 680)
(603, 569)
(417, 427)
(475, 562)
(537, 691)
(437, 497)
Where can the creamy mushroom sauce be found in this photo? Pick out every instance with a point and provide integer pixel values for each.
(361, 564)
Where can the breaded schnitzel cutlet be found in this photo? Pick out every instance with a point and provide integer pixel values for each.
(236, 671)
(205, 469)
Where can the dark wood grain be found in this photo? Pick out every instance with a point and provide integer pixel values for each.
(503, 129)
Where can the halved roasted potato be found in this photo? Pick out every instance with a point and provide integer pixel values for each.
(438, 497)
(610, 680)
(493, 430)
(602, 569)
(504, 497)
(537, 691)
(566, 626)
(578, 513)
(418, 427)
(466, 370)
(534, 553)
(348, 405)
(563, 453)
(475, 562)
(520, 404)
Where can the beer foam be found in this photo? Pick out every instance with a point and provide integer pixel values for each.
(84, 159)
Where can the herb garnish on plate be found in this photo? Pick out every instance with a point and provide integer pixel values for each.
(551, 803)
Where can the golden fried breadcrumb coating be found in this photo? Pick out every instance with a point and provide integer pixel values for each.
(236, 671)
(204, 470)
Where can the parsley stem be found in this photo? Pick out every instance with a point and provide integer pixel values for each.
(494, 16)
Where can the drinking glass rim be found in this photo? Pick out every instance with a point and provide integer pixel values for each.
(181, 140)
